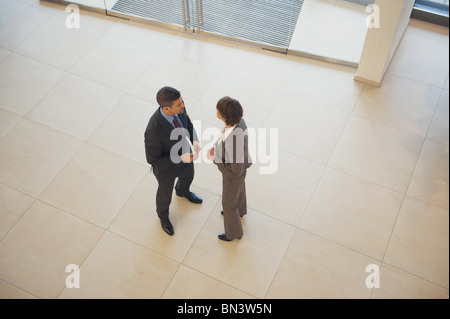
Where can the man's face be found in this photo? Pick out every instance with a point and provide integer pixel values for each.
(177, 106)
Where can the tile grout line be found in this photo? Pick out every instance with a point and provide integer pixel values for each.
(296, 229)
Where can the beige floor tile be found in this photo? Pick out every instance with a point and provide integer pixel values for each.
(439, 127)
(14, 205)
(397, 284)
(430, 181)
(47, 5)
(7, 121)
(35, 254)
(190, 284)
(151, 36)
(93, 19)
(325, 83)
(257, 101)
(326, 5)
(207, 175)
(191, 78)
(419, 243)
(115, 62)
(429, 64)
(31, 155)
(342, 35)
(308, 25)
(56, 192)
(316, 268)
(19, 20)
(428, 30)
(133, 272)
(75, 106)
(401, 103)
(353, 212)
(8, 291)
(18, 72)
(276, 73)
(94, 185)
(56, 44)
(122, 132)
(306, 128)
(354, 9)
(97, 4)
(248, 264)
(139, 222)
(285, 194)
(203, 50)
(377, 153)
(4, 53)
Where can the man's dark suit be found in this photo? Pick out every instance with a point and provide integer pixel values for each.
(158, 146)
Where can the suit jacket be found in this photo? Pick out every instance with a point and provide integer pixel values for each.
(232, 156)
(158, 145)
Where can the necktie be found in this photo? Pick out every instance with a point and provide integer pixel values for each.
(178, 127)
(175, 122)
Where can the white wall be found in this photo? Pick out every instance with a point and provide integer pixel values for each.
(381, 43)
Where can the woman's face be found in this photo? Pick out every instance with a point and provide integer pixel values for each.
(219, 116)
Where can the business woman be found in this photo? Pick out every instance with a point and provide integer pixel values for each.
(230, 154)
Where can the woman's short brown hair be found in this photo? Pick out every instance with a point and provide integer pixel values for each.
(231, 110)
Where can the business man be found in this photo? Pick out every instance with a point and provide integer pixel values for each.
(169, 153)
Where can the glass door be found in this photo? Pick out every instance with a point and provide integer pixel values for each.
(269, 24)
(266, 23)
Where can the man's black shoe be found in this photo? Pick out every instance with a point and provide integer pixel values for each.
(192, 197)
(167, 226)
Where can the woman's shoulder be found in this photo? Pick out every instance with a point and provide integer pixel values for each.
(242, 124)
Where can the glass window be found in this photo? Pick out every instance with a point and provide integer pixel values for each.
(435, 6)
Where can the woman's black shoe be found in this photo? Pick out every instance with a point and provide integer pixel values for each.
(223, 237)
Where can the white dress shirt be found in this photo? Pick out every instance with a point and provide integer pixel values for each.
(227, 131)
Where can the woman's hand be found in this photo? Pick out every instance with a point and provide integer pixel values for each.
(212, 153)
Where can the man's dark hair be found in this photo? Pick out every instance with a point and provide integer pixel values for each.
(231, 110)
(167, 95)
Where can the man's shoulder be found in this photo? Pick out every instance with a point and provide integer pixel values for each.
(156, 117)
(155, 120)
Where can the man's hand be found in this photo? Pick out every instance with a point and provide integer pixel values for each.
(189, 157)
(197, 147)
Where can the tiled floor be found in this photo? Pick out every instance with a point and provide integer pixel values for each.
(334, 29)
(362, 178)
